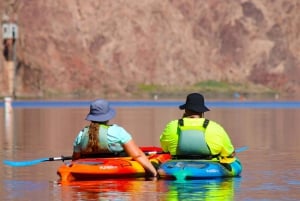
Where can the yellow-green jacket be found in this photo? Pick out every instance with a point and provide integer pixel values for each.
(216, 138)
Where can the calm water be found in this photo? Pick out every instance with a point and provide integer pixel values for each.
(271, 164)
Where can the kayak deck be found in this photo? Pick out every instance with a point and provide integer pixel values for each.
(102, 168)
(186, 169)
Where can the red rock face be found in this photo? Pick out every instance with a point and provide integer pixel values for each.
(86, 48)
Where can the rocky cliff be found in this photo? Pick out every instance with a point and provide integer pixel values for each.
(82, 48)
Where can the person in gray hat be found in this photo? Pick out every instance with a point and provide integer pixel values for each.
(195, 136)
(100, 137)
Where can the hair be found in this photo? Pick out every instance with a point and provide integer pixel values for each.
(93, 143)
(190, 113)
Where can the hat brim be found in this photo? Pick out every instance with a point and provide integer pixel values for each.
(103, 117)
(182, 107)
(194, 108)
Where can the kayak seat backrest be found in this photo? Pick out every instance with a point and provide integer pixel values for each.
(192, 141)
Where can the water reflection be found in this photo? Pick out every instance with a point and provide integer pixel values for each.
(213, 189)
(8, 122)
(110, 190)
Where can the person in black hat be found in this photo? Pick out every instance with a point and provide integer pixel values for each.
(100, 137)
(194, 136)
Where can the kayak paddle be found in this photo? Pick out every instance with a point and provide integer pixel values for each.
(241, 149)
(36, 161)
(62, 158)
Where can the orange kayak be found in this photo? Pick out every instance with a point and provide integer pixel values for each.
(109, 167)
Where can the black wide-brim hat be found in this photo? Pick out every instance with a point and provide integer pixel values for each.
(194, 102)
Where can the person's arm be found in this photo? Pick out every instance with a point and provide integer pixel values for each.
(219, 142)
(169, 138)
(77, 145)
(136, 153)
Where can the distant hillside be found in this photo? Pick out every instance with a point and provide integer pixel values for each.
(129, 49)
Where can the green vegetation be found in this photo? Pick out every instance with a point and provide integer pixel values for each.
(148, 88)
(221, 86)
(211, 89)
(211, 85)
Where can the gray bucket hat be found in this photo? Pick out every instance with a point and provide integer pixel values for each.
(194, 102)
(100, 111)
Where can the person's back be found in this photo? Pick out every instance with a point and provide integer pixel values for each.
(193, 135)
(100, 137)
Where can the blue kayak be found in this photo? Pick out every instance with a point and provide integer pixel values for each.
(184, 169)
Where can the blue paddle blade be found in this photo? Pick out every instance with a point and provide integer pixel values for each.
(241, 149)
(24, 163)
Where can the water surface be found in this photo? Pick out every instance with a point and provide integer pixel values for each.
(271, 164)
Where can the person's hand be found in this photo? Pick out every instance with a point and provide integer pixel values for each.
(151, 174)
(151, 177)
(155, 164)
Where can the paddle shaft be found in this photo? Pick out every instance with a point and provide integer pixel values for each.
(62, 158)
(147, 153)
